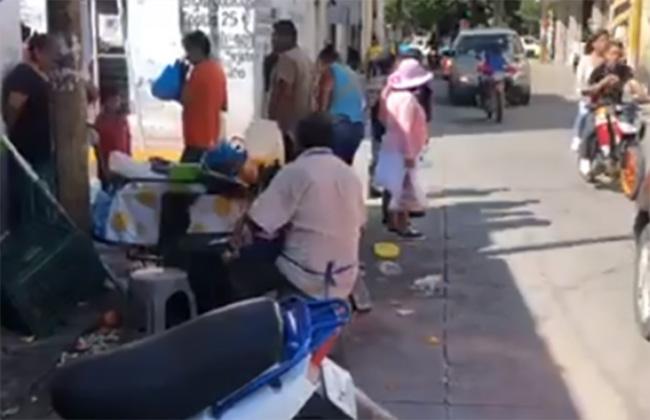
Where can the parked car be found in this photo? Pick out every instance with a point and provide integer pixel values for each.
(465, 53)
(532, 46)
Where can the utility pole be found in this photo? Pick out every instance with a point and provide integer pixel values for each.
(499, 12)
(68, 110)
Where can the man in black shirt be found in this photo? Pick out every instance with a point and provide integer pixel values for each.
(25, 103)
(607, 81)
(25, 111)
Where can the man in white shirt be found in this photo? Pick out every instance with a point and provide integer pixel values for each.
(315, 207)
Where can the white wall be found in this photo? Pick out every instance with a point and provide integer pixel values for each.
(10, 44)
(150, 48)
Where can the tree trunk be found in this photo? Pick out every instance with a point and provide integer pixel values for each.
(68, 111)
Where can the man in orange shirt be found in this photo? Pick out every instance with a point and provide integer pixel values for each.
(204, 98)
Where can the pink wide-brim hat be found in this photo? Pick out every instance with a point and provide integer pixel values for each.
(408, 75)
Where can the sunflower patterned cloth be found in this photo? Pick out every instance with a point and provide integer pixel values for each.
(133, 215)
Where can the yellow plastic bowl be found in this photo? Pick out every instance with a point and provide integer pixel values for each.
(387, 250)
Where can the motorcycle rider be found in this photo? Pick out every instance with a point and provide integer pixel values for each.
(594, 56)
(493, 62)
(606, 87)
(492, 57)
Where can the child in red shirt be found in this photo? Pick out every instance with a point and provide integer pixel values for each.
(113, 130)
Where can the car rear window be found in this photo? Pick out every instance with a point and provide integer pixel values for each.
(468, 44)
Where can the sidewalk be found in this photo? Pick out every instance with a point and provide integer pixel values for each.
(396, 352)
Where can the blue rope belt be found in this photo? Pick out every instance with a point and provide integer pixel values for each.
(328, 274)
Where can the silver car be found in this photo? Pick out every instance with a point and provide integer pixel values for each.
(465, 55)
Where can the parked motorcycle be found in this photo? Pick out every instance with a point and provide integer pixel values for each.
(614, 147)
(252, 360)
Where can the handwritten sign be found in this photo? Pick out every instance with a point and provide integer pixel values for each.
(236, 37)
(198, 15)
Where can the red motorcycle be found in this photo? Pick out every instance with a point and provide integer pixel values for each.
(614, 146)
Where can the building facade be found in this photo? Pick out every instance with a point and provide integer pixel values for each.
(10, 46)
(129, 42)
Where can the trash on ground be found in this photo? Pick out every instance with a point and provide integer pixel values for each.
(33, 399)
(94, 343)
(390, 268)
(11, 411)
(28, 339)
(386, 250)
(433, 340)
(404, 312)
(429, 285)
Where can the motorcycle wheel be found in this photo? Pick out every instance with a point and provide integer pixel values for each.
(632, 171)
(490, 103)
(498, 106)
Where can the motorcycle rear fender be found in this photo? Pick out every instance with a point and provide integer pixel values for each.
(283, 402)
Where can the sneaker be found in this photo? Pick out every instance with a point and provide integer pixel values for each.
(575, 143)
(584, 166)
(605, 150)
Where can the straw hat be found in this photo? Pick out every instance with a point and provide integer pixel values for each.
(408, 75)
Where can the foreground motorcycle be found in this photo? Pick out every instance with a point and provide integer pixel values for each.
(614, 147)
(257, 359)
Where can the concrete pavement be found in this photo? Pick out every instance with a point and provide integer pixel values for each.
(536, 320)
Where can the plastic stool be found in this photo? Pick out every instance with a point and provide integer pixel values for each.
(153, 288)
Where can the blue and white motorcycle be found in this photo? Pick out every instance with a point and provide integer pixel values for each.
(257, 359)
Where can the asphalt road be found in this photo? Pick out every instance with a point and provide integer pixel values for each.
(535, 321)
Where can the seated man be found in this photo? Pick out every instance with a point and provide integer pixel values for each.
(314, 211)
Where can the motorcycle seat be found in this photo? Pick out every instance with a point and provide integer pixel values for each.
(175, 374)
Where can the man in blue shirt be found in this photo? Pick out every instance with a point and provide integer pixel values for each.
(341, 95)
(493, 58)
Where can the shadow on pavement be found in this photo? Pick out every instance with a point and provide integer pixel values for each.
(556, 245)
(473, 350)
(465, 192)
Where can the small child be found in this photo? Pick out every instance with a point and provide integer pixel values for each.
(113, 130)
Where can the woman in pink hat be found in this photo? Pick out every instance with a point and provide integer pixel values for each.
(406, 136)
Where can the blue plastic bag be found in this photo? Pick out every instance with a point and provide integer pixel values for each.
(226, 158)
(169, 85)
